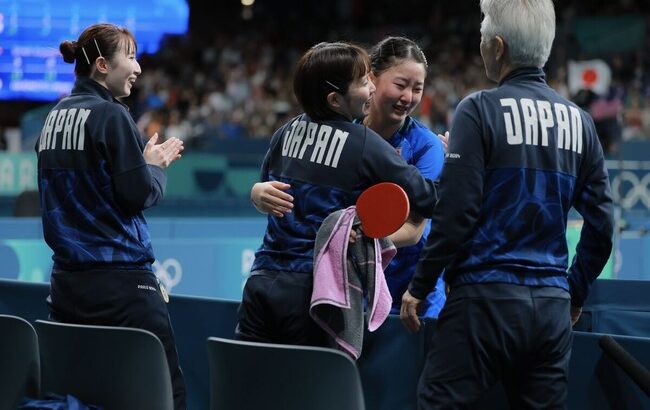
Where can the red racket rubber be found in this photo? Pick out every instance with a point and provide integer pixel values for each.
(383, 208)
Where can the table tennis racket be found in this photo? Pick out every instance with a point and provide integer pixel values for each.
(382, 209)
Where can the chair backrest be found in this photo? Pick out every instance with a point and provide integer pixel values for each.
(24, 299)
(27, 204)
(195, 319)
(252, 376)
(391, 363)
(116, 368)
(597, 382)
(19, 361)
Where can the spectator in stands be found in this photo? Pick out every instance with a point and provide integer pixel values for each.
(499, 228)
(606, 113)
(95, 177)
(637, 115)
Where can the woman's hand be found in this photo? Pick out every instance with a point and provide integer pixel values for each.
(575, 314)
(445, 141)
(163, 154)
(410, 232)
(269, 198)
(353, 235)
(409, 312)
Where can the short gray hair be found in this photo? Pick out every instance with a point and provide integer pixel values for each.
(527, 26)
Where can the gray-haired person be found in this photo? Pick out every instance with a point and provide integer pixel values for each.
(520, 156)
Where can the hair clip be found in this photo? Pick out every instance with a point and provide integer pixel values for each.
(85, 55)
(98, 50)
(333, 86)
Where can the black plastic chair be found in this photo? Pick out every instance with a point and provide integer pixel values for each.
(19, 361)
(195, 319)
(116, 368)
(24, 299)
(391, 363)
(253, 376)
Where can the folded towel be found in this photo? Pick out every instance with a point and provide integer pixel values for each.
(342, 271)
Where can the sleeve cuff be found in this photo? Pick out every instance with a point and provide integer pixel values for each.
(159, 175)
(422, 283)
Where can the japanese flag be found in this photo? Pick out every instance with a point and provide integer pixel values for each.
(592, 75)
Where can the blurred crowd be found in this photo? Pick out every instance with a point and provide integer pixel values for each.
(237, 84)
(228, 86)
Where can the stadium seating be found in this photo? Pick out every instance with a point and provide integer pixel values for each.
(112, 367)
(252, 376)
(19, 361)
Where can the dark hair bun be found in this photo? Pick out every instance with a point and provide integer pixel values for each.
(69, 50)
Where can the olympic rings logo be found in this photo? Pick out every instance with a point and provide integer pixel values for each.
(170, 272)
(629, 189)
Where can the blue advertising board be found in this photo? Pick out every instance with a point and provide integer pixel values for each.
(200, 267)
(211, 257)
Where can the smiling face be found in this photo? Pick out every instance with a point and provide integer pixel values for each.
(399, 90)
(123, 69)
(356, 102)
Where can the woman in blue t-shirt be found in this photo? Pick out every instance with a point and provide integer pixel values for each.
(399, 70)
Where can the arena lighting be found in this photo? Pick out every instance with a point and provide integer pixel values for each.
(247, 2)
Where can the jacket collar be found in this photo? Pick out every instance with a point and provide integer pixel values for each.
(524, 74)
(399, 135)
(86, 85)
